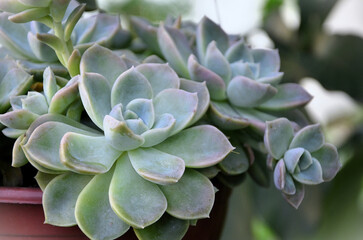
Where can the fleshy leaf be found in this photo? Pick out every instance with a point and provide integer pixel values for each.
(119, 135)
(203, 96)
(36, 3)
(35, 102)
(160, 131)
(278, 135)
(236, 161)
(292, 157)
(289, 95)
(312, 175)
(12, 133)
(129, 86)
(146, 32)
(41, 50)
(60, 196)
(190, 198)
(160, 76)
(328, 158)
(12, 6)
(157, 166)
(64, 97)
(43, 144)
(73, 63)
(93, 211)
(175, 48)
(244, 92)
(135, 200)
(199, 146)
(95, 94)
(19, 158)
(279, 174)
(239, 51)
(49, 84)
(215, 84)
(18, 119)
(87, 154)
(136, 125)
(208, 31)
(215, 61)
(296, 199)
(310, 137)
(225, 116)
(166, 228)
(144, 109)
(268, 59)
(43, 179)
(289, 187)
(179, 103)
(101, 60)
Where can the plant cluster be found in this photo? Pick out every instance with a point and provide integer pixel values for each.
(128, 128)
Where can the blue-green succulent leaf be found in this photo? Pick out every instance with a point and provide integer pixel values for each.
(95, 93)
(273, 78)
(289, 187)
(43, 144)
(157, 166)
(199, 146)
(35, 102)
(289, 95)
(58, 9)
(310, 137)
(146, 32)
(328, 158)
(239, 51)
(203, 96)
(64, 97)
(93, 211)
(12, 6)
(279, 174)
(249, 70)
(87, 154)
(277, 138)
(101, 60)
(236, 161)
(18, 119)
(130, 85)
(135, 200)
(136, 125)
(160, 76)
(190, 198)
(42, 51)
(226, 117)
(175, 48)
(208, 31)
(49, 84)
(72, 20)
(144, 109)
(161, 130)
(268, 59)
(35, 3)
(119, 135)
(312, 175)
(179, 103)
(245, 92)
(60, 196)
(13, 133)
(43, 179)
(296, 199)
(166, 228)
(215, 84)
(28, 15)
(74, 62)
(292, 158)
(19, 158)
(215, 61)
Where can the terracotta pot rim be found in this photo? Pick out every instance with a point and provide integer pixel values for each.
(21, 195)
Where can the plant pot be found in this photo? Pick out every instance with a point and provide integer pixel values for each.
(22, 217)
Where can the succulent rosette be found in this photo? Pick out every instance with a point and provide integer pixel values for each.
(138, 170)
(299, 158)
(13, 81)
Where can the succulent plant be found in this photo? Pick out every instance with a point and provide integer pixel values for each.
(299, 158)
(143, 158)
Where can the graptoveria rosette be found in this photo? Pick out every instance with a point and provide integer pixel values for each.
(142, 159)
(243, 82)
(302, 158)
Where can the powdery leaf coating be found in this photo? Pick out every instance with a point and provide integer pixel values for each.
(310, 138)
(93, 211)
(328, 158)
(135, 200)
(278, 136)
(188, 144)
(191, 198)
